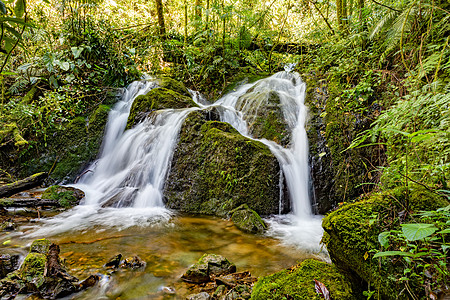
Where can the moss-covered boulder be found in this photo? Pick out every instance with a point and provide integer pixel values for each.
(334, 122)
(247, 219)
(71, 148)
(215, 169)
(298, 283)
(172, 84)
(351, 233)
(67, 196)
(155, 99)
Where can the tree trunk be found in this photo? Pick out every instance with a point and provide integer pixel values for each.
(160, 14)
(23, 184)
(360, 8)
(28, 202)
(339, 12)
(198, 10)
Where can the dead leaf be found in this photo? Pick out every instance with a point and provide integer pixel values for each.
(322, 290)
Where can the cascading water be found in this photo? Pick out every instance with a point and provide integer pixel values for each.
(133, 164)
(241, 110)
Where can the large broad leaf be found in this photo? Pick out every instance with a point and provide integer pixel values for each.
(417, 231)
(19, 8)
(392, 253)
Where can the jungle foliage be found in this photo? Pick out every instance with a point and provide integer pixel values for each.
(386, 65)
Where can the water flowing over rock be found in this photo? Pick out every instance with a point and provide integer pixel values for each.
(215, 169)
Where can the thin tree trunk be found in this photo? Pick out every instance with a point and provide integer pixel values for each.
(339, 12)
(160, 14)
(360, 8)
(198, 10)
(185, 21)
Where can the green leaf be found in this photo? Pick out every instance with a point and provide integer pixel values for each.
(65, 66)
(392, 253)
(447, 230)
(2, 8)
(13, 31)
(417, 231)
(383, 238)
(76, 51)
(19, 8)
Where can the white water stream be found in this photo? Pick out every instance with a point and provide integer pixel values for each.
(133, 164)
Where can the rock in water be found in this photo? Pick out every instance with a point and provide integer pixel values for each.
(247, 220)
(215, 169)
(208, 265)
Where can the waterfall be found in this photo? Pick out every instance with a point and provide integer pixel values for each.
(241, 109)
(133, 164)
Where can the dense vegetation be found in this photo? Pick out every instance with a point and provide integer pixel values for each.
(385, 66)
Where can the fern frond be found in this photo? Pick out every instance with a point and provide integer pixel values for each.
(402, 24)
(382, 24)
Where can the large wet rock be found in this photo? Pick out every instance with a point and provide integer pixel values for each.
(208, 266)
(351, 235)
(248, 220)
(215, 169)
(298, 283)
(8, 264)
(172, 94)
(65, 195)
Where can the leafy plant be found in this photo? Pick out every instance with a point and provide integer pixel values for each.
(424, 249)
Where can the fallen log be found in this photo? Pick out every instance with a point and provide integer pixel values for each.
(28, 202)
(22, 185)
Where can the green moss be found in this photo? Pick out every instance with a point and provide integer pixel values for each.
(351, 232)
(172, 84)
(264, 115)
(155, 99)
(65, 198)
(215, 169)
(40, 246)
(247, 219)
(33, 268)
(298, 283)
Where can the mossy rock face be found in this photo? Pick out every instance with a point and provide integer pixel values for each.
(338, 172)
(298, 283)
(264, 115)
(215, 169)
(172, 84)
(247, 220)
(71, 148)
(351, 232)
(155, 99)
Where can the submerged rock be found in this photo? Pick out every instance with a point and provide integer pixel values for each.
(208, 265)
(215, 169)
(298, 283)
(247, 220)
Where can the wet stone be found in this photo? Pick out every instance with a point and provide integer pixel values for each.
(114, 262)
(208, 265)
(199, 296)
(134, 262)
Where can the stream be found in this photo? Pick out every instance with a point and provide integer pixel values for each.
(129, 177)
